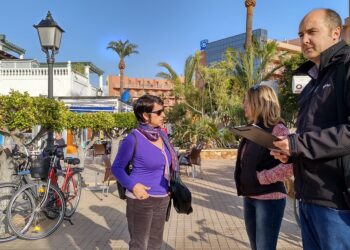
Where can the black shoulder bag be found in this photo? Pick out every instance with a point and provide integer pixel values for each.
(180, 194)
(128, 168)
(343, 119)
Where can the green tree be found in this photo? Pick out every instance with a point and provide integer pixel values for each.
(19, 113)
(111, 125)
(287, 98)
(123, 49)
(246, 75)
(184, 88)
(78, 68)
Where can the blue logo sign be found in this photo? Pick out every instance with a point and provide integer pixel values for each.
(204, 44)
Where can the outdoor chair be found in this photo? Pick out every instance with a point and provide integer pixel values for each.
(99, 149)
(192, 159)
(108, 172)
(108, 176)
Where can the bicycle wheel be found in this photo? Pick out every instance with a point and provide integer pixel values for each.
(72, 193)
(7, 189)
(41, 221)
(296, 211)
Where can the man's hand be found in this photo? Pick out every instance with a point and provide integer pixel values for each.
(279, 156)
(140, 191)
(284, 153)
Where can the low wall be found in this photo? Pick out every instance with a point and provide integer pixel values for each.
(228, 154)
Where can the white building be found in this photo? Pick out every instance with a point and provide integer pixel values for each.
(69, 79)
(32, 76)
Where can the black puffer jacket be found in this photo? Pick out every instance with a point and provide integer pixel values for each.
(321, 141)
(255, 158)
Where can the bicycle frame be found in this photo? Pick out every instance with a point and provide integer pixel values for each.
(52, 179)
(68, 174)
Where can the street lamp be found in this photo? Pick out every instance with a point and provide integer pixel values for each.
(50, 39)
(99, 92)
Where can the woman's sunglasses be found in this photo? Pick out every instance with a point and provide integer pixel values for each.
(157, 112)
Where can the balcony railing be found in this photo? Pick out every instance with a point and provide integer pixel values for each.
(33, 72)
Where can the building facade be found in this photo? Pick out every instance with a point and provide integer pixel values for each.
(32, 77)
(215, 51)
(140, 86)
(70, 79)
(17, 73)
(346, 30)
(9, 50)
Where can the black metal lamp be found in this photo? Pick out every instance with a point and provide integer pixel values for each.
(50, 35)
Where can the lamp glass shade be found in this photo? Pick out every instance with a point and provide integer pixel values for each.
(50, 37)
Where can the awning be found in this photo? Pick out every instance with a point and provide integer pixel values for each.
(91, 109)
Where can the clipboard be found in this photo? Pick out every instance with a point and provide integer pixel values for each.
(256, 134)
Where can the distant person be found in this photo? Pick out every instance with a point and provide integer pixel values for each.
(258, 176)
(59, 141)
(320, 149)
(148, 184)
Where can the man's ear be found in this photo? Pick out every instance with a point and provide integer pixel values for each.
(336, 33)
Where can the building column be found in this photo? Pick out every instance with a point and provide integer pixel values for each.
(87, 72)
(69, 67)
(100, 82)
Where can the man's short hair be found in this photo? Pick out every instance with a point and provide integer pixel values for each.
(333, 20)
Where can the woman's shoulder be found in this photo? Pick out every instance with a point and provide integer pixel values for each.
(131, 137)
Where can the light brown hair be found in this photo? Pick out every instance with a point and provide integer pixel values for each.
(264, 105)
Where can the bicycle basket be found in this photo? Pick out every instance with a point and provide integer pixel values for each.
(40, 168)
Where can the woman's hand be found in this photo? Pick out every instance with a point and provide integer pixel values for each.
(140, 191)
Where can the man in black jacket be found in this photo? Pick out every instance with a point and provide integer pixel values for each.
(320, 149)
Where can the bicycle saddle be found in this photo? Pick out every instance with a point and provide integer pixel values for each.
(72, 160)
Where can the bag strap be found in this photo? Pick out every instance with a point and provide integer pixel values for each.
(128, 167)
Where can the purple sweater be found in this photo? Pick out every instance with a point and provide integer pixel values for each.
(148, 167)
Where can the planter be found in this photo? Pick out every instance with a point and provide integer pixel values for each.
(220, 154)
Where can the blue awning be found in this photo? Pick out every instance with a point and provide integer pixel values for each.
(91, 109)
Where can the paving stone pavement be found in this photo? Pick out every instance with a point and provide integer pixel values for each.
(216, 222)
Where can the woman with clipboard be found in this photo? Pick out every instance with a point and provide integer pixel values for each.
(259, 177)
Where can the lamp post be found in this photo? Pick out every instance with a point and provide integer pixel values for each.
(99, 92)
(50, 39)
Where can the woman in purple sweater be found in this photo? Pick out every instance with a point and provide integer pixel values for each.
(148, 184)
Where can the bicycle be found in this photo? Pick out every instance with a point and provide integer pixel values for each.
(71, 185)
(49, 200)
(7, 189)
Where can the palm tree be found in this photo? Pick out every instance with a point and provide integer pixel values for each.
(123, 49)
(249, 4)
(183, 86)
(246, 75)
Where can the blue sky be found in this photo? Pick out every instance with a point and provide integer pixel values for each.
(166, 31)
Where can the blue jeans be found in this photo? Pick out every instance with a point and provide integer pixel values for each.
(263, 220)
(324, 227)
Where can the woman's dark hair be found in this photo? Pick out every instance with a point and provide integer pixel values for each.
(145, 104)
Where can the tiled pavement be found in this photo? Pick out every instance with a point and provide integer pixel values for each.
(216, 222)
